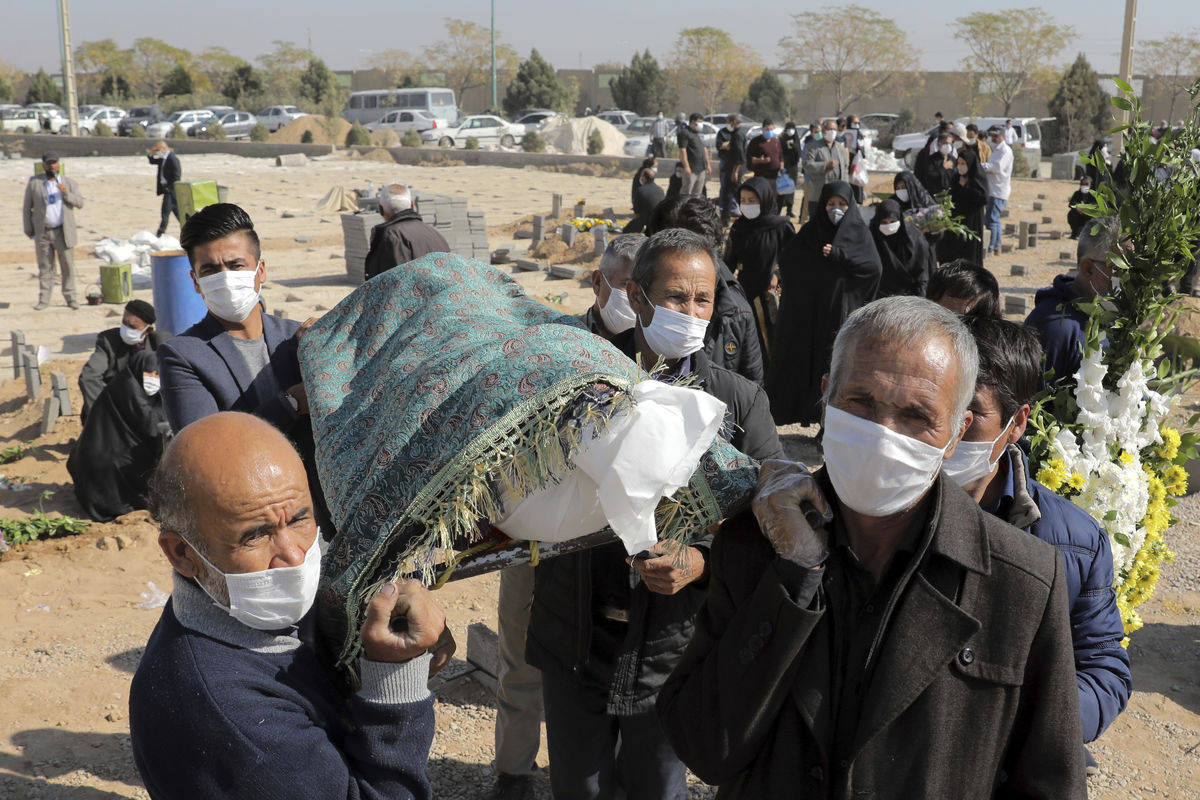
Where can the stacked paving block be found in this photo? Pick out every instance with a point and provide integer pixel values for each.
(356, 234)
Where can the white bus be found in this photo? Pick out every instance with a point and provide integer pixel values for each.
(369, 106)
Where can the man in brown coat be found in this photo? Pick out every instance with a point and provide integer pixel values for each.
(911, 645)
(48, 214)
(402, 236)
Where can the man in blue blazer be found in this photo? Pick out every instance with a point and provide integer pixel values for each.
(238, 358)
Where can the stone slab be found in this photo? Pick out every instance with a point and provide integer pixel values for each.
(1014, 304)
(569, 271)
(483, 653)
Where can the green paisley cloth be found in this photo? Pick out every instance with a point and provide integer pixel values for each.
(436, 388)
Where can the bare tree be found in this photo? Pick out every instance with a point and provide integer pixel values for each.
(1013, 47)
(154, 59)
(394, 64)
(99, 59)
(283, 67)
(218, 64)
(872, 57)
(711, 62)
(1174, 61)
(465, 56)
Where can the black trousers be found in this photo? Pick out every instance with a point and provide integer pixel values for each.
(594, 756)
(169, 207)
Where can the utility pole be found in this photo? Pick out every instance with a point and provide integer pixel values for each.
(1118, 145)
(68, 67)
(494, 106)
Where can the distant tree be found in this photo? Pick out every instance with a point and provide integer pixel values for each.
(318, 84)
(178, 81)
(219, 64)
(1080, 106)
(99, 60)
(465, 56)
(6, 90)
(1013, 47)
(767, 97)
(153, 60)
(42, 89)
(644, 87)
(859, 60)
(1173, 61)
(243, 83)
(397, 67)
(114, 87)
(711, 62)
(282, 67)
(536, 85)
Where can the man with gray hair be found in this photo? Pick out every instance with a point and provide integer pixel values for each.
(869, 630)
(1056, 316)
(403, 235)
(611, 314)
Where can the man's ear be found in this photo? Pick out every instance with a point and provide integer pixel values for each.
(195, 283)
(262, 274)
(597, 279)
(1020, 421)
(180, 554)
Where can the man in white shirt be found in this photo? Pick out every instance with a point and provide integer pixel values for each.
(1010, 133)
(49, 219)
(998, 170)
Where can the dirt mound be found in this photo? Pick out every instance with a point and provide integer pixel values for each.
(316, 124)
(384, 138)
(379, 154)
(554, 250)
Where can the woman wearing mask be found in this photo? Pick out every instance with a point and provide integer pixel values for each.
(969, 194)
(906, 257)
(828, 270)
(755, 241)
(938, 173)
(121, 442)
(1076, 218)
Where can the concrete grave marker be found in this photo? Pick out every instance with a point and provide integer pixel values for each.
(1019, 270)
(49, 414)
(58, 385)
(18, 349)
(567, 232)
(33, 374)
(1016, 305)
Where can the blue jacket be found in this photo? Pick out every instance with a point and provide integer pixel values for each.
(1101, 664)
(218, 709)
(1060, 325)
(202, 373)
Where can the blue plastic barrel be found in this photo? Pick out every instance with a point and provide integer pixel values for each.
(177, 304)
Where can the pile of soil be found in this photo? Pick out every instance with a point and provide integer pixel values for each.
(385, 138)
(318, 125)
(554, 250)
(378, 154)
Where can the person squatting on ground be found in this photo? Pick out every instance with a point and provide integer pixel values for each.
(114, 347)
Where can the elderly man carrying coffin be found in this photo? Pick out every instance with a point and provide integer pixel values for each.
(911, 646)
(230, 699)
(606, 629)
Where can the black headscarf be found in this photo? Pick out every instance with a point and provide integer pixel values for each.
(754, 244)
(850, 237)
(905, 255)
(918, 196)
(969, 202)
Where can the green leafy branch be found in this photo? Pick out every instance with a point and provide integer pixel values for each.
(40, 525)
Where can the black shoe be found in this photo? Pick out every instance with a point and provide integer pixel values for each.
(513, 787)
(1090, 765)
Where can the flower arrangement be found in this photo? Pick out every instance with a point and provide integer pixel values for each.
(1103, 439)
(939, 218)
(582, 224)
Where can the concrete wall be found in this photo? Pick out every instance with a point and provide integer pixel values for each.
(33, 145)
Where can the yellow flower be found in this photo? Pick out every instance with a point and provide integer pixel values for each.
(1052, 474)
(1076, 481)
(1125, 457)
(1170, 443)
(1176, 480)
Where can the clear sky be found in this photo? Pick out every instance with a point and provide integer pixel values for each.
(569, 33)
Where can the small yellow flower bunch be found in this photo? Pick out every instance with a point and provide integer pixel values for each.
(1053, 474)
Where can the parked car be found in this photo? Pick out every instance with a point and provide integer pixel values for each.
(87, 109)
(524, 112)
(236, 124)
(536, 120)
(109, 115)
(401, 121)
(187, 120)
(275, 117)
(906, 146)
(640, 146)
(723, 119)
(20, 120)
(617, 118)
(50, 117)
(884, 124)
(485, 128)
(139, 115)
(1029, 136)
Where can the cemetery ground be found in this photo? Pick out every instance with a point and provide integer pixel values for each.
(72, 630)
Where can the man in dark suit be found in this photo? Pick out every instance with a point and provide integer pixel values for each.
(402, 236)
(238, 358)
(48, 213)
(169, 171)
(114, 347)
(911, 645)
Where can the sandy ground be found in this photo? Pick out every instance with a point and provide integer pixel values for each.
(72, 629)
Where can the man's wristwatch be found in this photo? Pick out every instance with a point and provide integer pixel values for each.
(292, 401)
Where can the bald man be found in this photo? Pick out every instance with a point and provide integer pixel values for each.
(403, 235)
(230, 699)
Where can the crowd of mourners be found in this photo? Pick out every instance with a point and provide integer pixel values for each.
(917, 618)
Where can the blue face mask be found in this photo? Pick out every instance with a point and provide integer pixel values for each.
(769, 134)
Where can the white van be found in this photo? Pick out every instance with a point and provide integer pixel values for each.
(1029, 135)
(370, 106)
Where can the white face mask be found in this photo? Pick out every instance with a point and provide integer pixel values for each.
(617, 314)
(945, 149)
(902, 195)
(1085, 189)
(829, 135)
(672, 334)
(230, 294)
(973, 460)
(835, 214)
(957, 145)
(751, 210)
(875, 470)
(271, 599)
(132, 336)
(150, 384)
(889, 228)
(962, 169)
